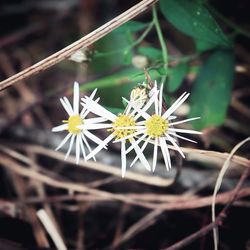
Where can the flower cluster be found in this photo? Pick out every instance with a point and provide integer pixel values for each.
(143, 122)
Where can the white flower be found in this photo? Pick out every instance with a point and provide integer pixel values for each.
(158, 128)
(121, 127)
(75, 120)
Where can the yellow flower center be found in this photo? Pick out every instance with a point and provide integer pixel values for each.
(123, 121)
(156, 126)
(73, 122)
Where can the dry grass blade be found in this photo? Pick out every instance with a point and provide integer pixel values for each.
(51, 229)
(100, 167)
(139, 226)
(190, 203)
(218, 184)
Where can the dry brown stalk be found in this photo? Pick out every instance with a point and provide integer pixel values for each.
(190, 151)
(100, 167)
(150, 180)
(191, 203)
(81, 43)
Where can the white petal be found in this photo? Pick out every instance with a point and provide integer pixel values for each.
(139, 111)
(185, 131)
(100, 147)
(136, 142)
(176, 105)
(82, 148)
(160, 99)
(142, 158)
(87, 145)
(93, 138)
(128, 109)
(130, 127)
(66, 107)
(172, 117)
(84, 112)
(165, 153)
(70, 146)
(76, 98)
(99, 110)
(66, 100)
(175, 145)
(123, 158)
(181, 137)
(83, 104)
(78, 138)
(94, 120)
(60, 128)
(153, 90)
(183, 121)
(149, 103)
(130, 136)
(63, 141)
(141, 123)
(93, 94)
(155, 154)
(142, 149)
(94, 126)
(156, 104)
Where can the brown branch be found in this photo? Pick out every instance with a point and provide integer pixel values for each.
(83, 42)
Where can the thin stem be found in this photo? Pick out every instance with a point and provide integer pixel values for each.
(162, 42)
(144, 34)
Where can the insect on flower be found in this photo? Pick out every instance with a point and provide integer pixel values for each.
(121, 126)
(158, 128)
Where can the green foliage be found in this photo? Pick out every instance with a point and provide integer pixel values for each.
(193, 19)
(176, 76)
(112, 88)
(114, 110)
(150, 52)
(127, 57)
(104, 61)
(162, 71)
(131, 26)
(212, 88)
(211, 92)
(118, 78)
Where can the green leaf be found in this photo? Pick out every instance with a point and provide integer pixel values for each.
(132, 26)
(211, 92)
(162, 71)
(192, 18)
(112, 88)
(114, 110)
(127, 57)
(176, 76)
(150, 52)
(106, 46)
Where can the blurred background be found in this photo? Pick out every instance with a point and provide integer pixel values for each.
(207, 55)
